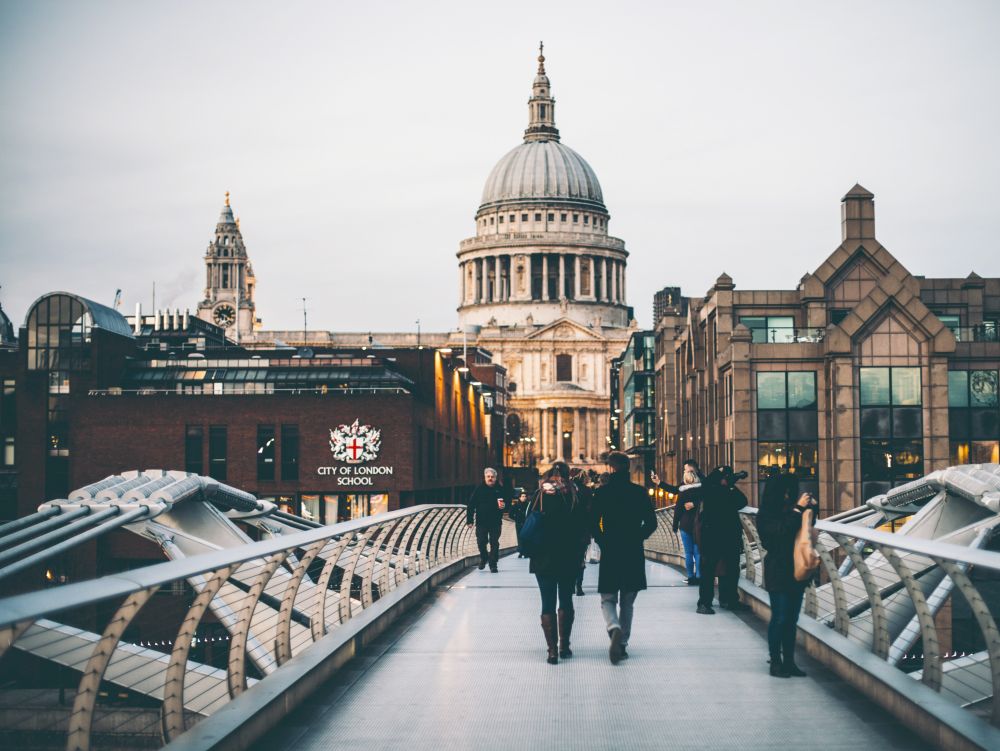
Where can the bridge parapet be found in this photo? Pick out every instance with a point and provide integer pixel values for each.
(140, 657)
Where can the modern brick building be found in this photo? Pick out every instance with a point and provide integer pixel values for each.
(861, 378)
(98, 394)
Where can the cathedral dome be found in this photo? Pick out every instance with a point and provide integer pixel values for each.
(543, 171)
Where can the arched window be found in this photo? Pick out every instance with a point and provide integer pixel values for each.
(564, 367)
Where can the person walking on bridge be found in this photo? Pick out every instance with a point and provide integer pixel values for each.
(556, 562)
(624, 518)
(778, 523)
(485, 508)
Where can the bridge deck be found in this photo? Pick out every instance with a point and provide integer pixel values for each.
(467, 671)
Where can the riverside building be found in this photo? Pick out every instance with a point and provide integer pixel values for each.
(860, 379)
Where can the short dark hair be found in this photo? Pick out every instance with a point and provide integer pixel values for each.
(692, 463)
(618, 461)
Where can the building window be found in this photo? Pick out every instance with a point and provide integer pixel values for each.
(193, 449)
(491, 220)
(562, 217)
(974, 416)
(564, 367)
(787, 426)
(541, 111)
(501, 220)
(265, 453)
(538, 217)
(8, 407)
(217, 449)
(952, 322)
(586, 218)
(289, 452)
(512, 218)
(524, 217)
(770, 329)
(552, 217)
(576, 218)
(892, 444)
(8, 451)
(838, 314)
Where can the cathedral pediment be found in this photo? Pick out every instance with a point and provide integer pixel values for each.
(565, 329)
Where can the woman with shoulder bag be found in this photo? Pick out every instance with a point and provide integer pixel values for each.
(685, 513)
(556, 560)
(779, 524)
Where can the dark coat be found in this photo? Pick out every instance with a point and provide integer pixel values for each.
(624, 518)
(483, 506)
(683, 518)
(720, 533)
(565, 526)
(778, 524)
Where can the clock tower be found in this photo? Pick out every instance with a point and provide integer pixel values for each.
(229, 280)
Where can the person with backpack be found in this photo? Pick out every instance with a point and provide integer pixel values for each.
(778, 523)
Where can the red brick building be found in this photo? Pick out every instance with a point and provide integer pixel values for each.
(329, 435)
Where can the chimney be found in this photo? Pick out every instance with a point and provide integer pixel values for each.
(857, 215)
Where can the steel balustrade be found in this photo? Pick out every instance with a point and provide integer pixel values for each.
(887, 599)
(275, 598)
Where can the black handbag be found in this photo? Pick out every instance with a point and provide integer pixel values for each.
(532, 537)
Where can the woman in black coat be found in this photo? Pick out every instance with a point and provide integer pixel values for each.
(778, 523)
(557, 562)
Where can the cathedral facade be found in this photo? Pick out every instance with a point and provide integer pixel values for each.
(541, 288)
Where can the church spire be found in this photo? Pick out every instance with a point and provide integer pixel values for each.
(541, 106)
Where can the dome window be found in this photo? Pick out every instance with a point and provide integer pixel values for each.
(564, 367)
(501, 219)
(576, 218)
(491, 220)
(538, 217)
(586, 219)
(552, 217)
(512, 217)
(562, 217)
(524, 217)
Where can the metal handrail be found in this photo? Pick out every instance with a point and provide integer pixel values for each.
(882, 591)
(36, 604)
(275, 598)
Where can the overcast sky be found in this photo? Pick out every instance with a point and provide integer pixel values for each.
(356, 138)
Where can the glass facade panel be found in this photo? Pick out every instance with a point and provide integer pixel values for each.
(875, 422)
(906, 386)
(289, 452)
(310, 507)
(217, 452)
(958, 388)
(771, 391)
(771, 424)
(801, 390)
(874, 386)
(194, 437)
(906, 422)
(985, 452)
(802, 425)
(984, 423)
(265, 453)
(983, 388)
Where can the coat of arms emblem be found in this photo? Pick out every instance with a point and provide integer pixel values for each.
(355, 443)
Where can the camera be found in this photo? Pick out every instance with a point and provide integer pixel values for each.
(737, 476)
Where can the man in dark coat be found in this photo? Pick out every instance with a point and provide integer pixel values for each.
(624, 518)
(720, 540)
(486, 507)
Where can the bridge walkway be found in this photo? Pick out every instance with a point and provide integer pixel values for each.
(467, 671)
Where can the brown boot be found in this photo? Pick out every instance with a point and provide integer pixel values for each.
(549, 627)
(565, 629)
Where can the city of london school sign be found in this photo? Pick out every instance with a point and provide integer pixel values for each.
(353, 446)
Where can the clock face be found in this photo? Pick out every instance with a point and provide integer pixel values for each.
(224, 315)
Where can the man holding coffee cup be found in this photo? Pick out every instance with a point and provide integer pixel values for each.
(486, 507)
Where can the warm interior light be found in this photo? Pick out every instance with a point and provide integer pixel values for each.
(445, 350)
(462, 369)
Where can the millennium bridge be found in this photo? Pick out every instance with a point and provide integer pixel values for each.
(264, 630)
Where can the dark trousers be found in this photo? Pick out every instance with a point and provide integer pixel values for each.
(549, 587)
(785, 607)
(489, 534)
(710, 559)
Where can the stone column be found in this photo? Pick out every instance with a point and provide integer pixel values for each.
(544, 434)
(593, 277)
(497, 285)
(614, 282)
(545, 276)
(622, 272)
(559, 432)
(582, 423)
(576, 278)
(562, 277)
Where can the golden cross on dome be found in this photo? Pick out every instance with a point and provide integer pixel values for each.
(227, 198)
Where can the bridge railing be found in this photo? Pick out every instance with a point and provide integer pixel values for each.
(137, 658)
(925, 607)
